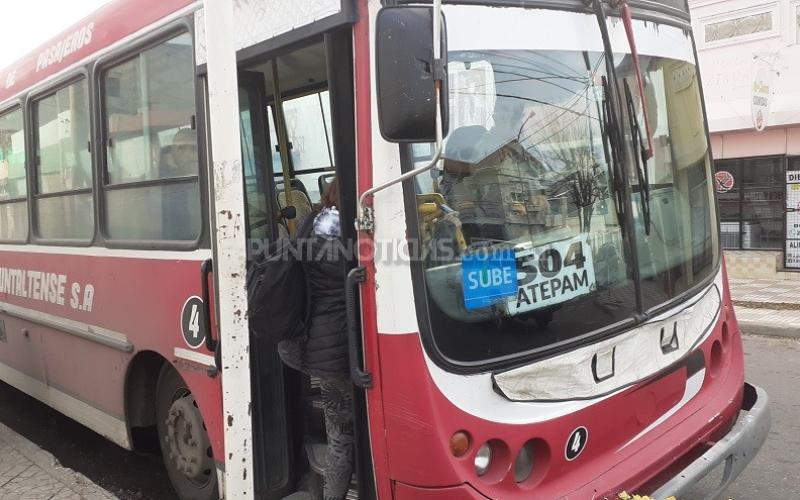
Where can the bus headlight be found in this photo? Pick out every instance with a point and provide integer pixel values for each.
(483, 459)
(523, 465)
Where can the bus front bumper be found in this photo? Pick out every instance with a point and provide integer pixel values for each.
(733, 452)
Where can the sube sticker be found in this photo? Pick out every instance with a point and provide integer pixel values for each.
(488, 276)
(527, 278)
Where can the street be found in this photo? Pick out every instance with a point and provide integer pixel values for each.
(772, 363)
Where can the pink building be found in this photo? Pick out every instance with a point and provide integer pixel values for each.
(749, 54)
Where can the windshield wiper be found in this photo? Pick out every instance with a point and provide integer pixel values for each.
(613, 110)
(611, 136)
(627, 22)
(640, 156)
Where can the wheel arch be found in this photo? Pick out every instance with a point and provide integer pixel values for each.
(141, 383)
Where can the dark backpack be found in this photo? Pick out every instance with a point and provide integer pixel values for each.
(277, 294)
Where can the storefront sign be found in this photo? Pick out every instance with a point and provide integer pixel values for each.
(761, 93)
(792, 225)
(792, 256)
(724, 181)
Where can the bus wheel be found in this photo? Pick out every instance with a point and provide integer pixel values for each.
(184, 442)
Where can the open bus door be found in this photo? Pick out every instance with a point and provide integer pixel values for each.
(272, 446)
(297, 132)
(265, 434)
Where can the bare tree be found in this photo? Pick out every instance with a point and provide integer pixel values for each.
(569, 142)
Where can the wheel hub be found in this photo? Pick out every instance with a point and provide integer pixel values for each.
(187, 441)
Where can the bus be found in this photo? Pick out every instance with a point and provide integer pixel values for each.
(536, 294)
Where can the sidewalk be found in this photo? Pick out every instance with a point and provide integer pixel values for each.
(767, 307)
(28, 472)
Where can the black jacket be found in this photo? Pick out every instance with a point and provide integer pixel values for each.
(323, 350)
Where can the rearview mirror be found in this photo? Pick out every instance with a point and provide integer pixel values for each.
(406, 73)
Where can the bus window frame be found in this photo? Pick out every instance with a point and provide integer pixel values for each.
(18, 104)
(32, 167)
(184, 25)
(311, 89)
(306, 90)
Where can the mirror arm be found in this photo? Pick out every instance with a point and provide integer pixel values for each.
(366, 214)
(365, 221)
(627, 21)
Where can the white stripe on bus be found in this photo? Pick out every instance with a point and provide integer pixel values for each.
(103, 336)
(195, 357)
(198, 255)
(99, 421)
(475, 394)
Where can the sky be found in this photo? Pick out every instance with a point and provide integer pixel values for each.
(36, 21)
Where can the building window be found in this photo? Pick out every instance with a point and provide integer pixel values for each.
(797, 23)
(151, 177)
(744, 25)
(751, 198)
(64, 204)
(13, 187)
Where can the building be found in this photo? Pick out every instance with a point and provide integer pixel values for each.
(749, 53)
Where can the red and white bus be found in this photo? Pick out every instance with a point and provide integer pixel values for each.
(538, 303)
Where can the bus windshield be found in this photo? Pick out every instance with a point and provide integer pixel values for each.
(523, 220)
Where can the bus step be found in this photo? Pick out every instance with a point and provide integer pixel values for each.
(317, 456)
(352, 494)
(301, 495)
(317, 403)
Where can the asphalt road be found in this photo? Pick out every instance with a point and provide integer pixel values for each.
(773, 475)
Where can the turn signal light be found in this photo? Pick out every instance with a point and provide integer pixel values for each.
(459, 443)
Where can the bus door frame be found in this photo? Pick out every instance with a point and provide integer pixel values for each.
(229, 248)
(253, 83)
(227, 199)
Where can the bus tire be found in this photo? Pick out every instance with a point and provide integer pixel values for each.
(185, 446)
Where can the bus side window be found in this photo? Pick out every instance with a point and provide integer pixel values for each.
(64, 164)
(308, 128)
(13, 187)
(149, 112)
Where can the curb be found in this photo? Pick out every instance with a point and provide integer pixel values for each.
(768, 322)
(769, 330)
(775, 306)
